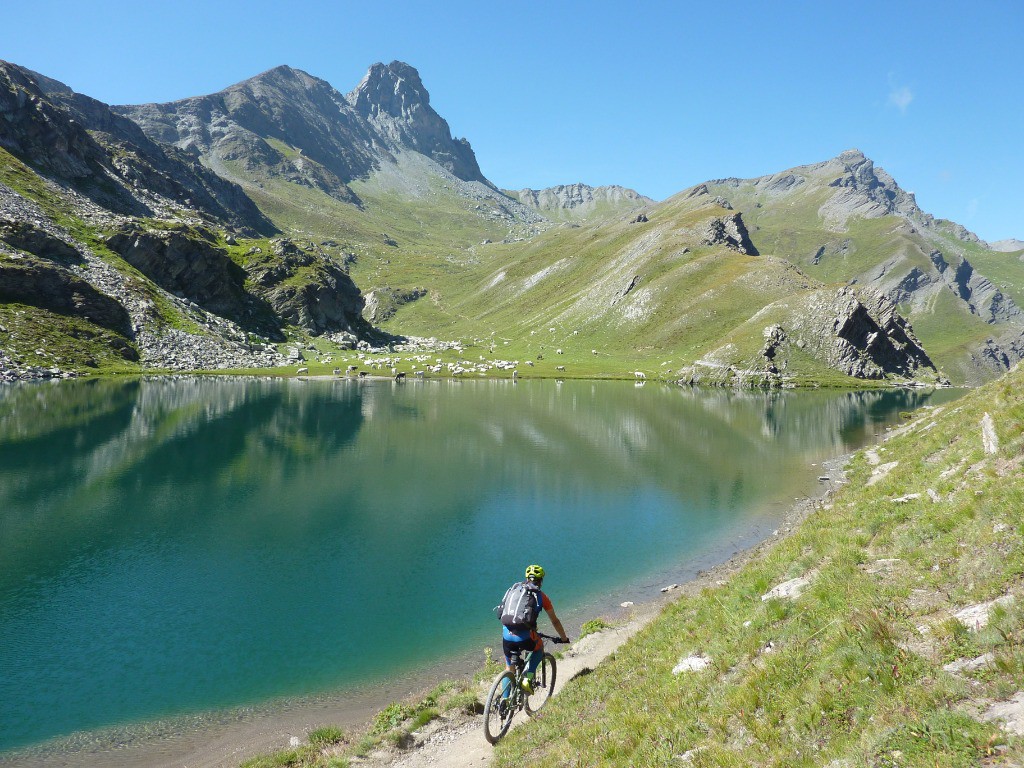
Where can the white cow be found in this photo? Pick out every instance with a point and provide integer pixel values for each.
(640, 375)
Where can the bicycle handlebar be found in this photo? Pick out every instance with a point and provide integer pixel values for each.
(554, 639)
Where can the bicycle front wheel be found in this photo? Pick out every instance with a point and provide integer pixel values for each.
(500, 707)
(543, 684)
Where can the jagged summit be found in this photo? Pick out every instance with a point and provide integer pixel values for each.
(395, 89)
(391, 97)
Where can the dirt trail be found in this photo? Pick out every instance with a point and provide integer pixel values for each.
(460, 742)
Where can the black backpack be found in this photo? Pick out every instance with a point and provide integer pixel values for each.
(520, 606)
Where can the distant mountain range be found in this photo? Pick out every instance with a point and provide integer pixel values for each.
(218, 230)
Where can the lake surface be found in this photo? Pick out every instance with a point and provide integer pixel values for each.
(174, 547)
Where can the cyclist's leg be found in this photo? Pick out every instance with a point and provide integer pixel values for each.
(535, 658)
(511, 648)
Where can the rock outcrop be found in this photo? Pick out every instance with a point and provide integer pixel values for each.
(187, 264)
(307, 288)
(728, 231)
(383, 303)
(857, 333)
(975, 290)
(43, 284)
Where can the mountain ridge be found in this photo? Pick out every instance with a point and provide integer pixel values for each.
(376, 198)
(581, 201)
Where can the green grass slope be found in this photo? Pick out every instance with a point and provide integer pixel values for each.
(617, 295)
(797, 224)
(854, 670)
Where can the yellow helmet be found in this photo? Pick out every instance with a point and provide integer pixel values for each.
(534, 572)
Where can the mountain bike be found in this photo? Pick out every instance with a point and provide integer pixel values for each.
(508, 695)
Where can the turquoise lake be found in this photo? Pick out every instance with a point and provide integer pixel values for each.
(176, 546)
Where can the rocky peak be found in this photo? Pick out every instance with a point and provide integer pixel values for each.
(394, 89)
(392, 99)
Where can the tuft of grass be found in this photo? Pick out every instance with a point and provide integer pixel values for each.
(326, 736)
(592, 626)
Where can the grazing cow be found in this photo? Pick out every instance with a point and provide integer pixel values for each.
(530, 363)
(640, 375)
(558, 351)
(337, 371)
(420, 374)
(515, 374)
(363, 374)
(302, 370)
(559, 367)
(400, 376)
(593, 351)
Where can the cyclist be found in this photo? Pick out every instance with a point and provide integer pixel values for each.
(515, 639)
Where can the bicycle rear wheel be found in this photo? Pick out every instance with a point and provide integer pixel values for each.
(499, 708)
(543, 684)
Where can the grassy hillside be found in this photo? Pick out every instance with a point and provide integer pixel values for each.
(793, 224)
(850, 672)
(615, 296)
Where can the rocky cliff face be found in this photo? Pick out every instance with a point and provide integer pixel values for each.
(185, 264)
(391, 98)
(307, 288)
(78, 140)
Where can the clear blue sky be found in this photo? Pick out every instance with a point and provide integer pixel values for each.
(656, 96)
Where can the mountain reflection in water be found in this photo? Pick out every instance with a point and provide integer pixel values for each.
(178, 545)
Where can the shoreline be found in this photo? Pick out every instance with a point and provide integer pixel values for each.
(457, 741)
(226, 738)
